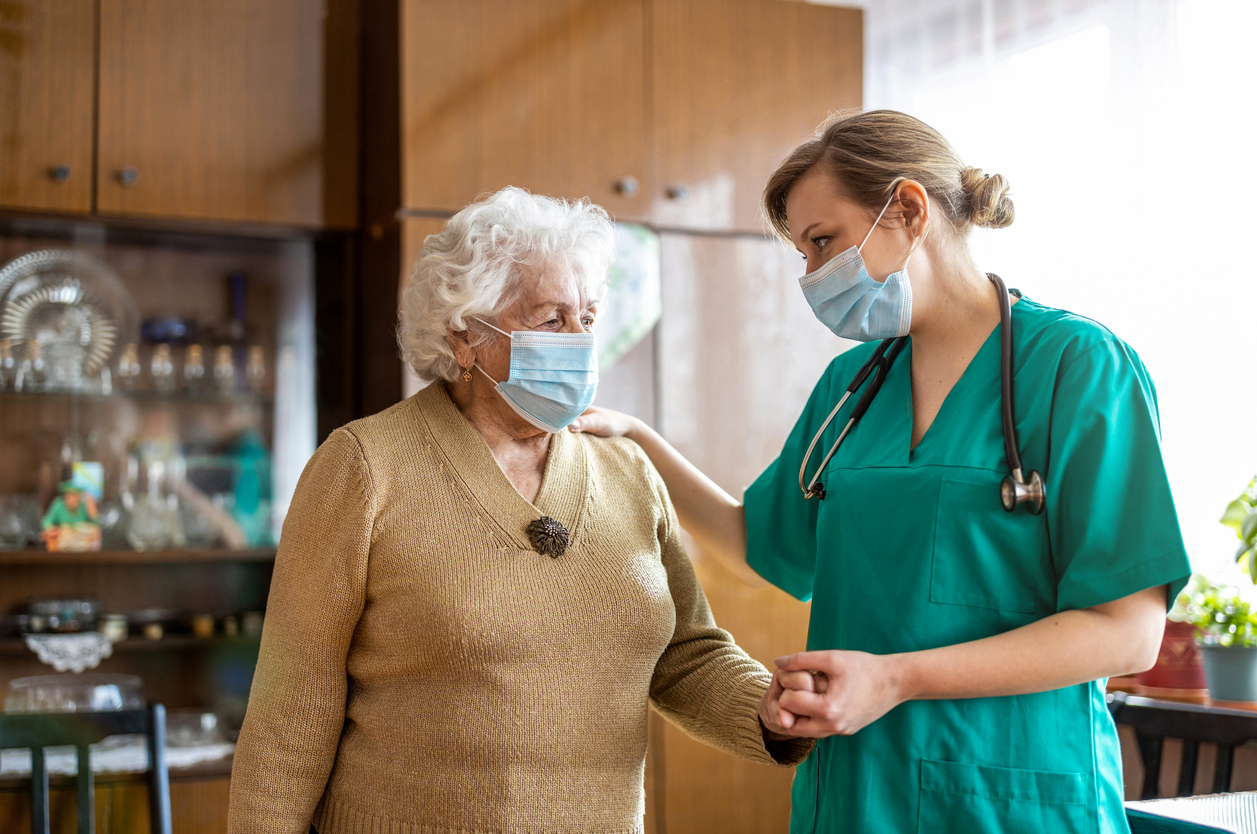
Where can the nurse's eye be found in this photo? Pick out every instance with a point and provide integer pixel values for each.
(820, 243)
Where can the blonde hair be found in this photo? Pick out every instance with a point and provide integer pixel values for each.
(869, 154)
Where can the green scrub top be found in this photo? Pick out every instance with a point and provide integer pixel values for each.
(912, 550)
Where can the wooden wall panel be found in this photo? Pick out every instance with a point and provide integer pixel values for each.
(197, 806)
(47, 92)
(548, 95)
(743, 353)
(737, 84)
(218, 107)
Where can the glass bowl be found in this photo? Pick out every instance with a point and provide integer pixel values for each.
(87, 692)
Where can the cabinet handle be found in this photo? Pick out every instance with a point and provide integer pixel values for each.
(128, 176)
(627, 186)
(59, 173)
(677, 192)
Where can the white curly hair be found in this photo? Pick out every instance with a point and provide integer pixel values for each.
(474, 268)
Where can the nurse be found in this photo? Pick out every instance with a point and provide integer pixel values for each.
(957, 652)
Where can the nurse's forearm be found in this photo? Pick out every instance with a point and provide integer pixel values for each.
(1117, 638)
(715, 519)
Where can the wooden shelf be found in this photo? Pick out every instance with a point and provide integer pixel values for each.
(135, 557)
(172, 397)
(171, 642)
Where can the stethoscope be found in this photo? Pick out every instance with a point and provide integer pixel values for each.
(1014, 489)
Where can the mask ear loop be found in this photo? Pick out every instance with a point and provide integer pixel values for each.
(893, 186)
(475, 364)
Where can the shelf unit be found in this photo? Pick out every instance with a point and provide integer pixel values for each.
(135, 557)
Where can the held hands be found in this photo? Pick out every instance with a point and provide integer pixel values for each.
(818, 694)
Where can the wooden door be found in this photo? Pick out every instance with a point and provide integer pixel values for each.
(743, 352)
(47, 90)
(546, 94)
(736, 85)
(218, 110)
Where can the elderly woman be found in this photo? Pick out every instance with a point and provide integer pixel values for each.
(472, 608)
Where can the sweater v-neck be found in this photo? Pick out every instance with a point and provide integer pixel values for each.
(564, 484)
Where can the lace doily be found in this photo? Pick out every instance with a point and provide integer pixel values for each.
(70, 652)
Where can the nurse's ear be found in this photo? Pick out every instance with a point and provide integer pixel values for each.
(911, 210)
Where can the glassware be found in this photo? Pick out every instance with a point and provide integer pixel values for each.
(149, 529)
(193, 368)
(224, 370)
(19, 521)
(8, 365)
(64, 360)
(162, 369)
(129, 367)
(115, 514)
(74, 693)
(31, 373)
(255, 370)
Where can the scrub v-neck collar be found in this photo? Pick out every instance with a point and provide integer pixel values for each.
(973, 375)
(564, 484)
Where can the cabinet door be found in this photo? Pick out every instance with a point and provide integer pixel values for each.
(47, 81)
(742, 352)
(215, 109)
(738, 84)
(548, 95)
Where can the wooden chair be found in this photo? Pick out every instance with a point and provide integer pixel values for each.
(1154, 721)
(81, 729)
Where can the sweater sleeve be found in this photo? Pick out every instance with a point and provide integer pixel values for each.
(704, 683)
(297, 703)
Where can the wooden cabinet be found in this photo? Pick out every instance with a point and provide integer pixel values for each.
(221, 110)
(736, 85)
(549, 95)
(47, 87)
(215, 109)
(671, 111)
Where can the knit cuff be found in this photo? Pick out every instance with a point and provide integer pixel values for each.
(753, 734)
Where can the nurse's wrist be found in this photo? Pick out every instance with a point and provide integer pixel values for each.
(905, 676)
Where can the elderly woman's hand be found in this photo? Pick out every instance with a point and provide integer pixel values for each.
(776, 720)
(606, 423)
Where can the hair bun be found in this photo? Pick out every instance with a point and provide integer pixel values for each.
(989, 204)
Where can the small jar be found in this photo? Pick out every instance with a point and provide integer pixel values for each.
(203, 626)
(251, 623)
(114, 627)
(231, 627)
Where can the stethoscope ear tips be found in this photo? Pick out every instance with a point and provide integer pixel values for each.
(1013, 490)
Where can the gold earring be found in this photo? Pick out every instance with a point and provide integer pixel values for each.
(466, 374)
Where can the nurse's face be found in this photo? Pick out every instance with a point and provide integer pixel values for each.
(824, 223)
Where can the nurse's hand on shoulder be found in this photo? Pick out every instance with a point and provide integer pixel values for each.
(604, 422)
(849, 691)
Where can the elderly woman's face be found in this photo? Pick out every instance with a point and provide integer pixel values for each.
(550, 301)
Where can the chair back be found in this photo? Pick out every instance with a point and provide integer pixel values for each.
(35, 731)
(1154, 721)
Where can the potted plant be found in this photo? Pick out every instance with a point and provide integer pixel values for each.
(1223, 610)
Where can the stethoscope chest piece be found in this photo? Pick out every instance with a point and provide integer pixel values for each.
(1015, 489)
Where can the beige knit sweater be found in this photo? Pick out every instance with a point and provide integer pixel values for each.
(424, 671)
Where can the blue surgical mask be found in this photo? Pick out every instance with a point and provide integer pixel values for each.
(854, 306)
(553, 378)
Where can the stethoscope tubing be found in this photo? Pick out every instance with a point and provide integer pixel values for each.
(1016, 489)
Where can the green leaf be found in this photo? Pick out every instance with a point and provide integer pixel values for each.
(1236, 512)
(1248, 529)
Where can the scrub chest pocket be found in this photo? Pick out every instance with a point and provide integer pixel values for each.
(956, 796)
(984, 556)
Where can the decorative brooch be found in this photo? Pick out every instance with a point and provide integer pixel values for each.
(548, 537)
